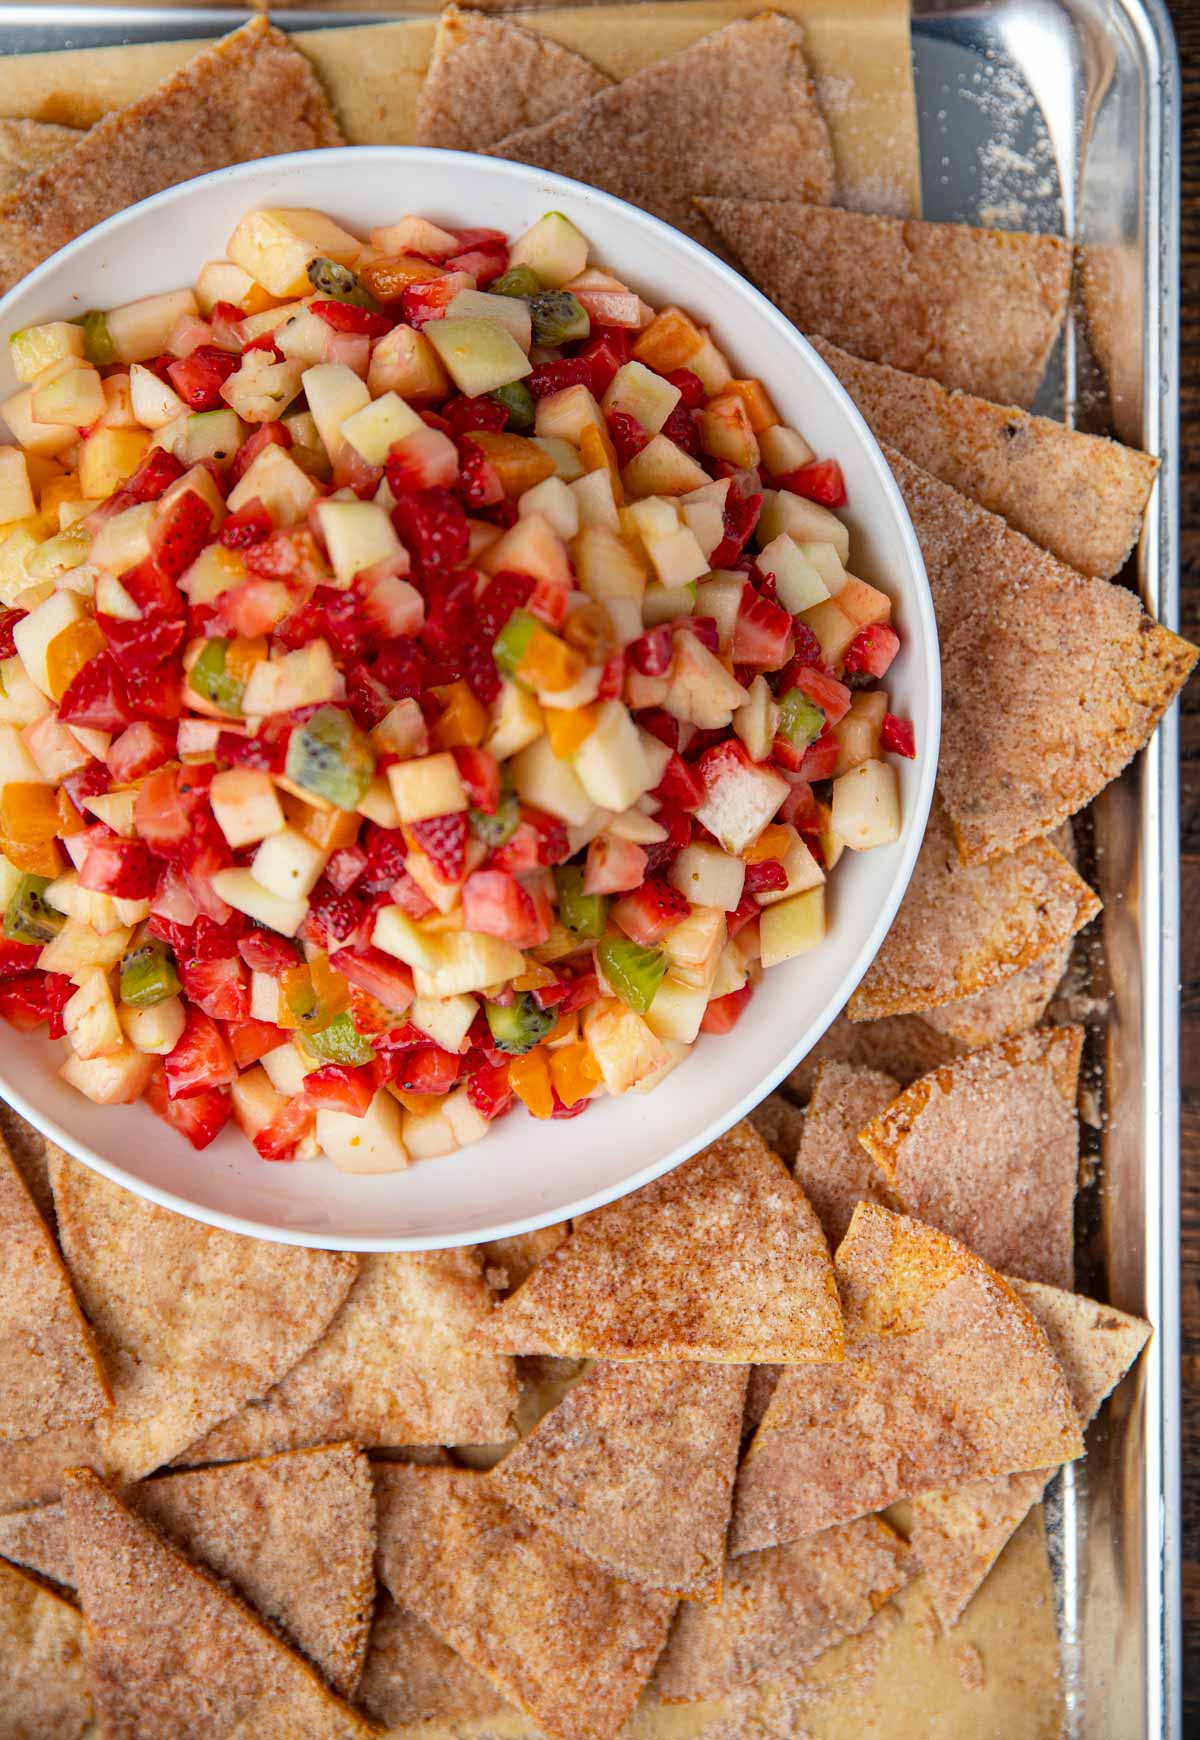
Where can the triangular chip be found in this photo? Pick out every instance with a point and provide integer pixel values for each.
(191, 1321)
(563, 1640)
(973, 308)
(780, 1123)
(488, 77)
(987, 1149)
(31, 1153)
(50, 1372)
(1112, 293)
(1051, 681)
(959, 1534)
(43, 1666)
(170, 1651)
(508, 1262)
(636, 1444)
(947, 1378)
(831, 1167)
(396, 1366)
(250, 95)
(412, 1677)
(782, 1608)
(294, 1535)
(734, 114)
(963, 928)
(1081, 497)
(904, 1046)
(1013, 1006)
(31, 1469)
(27, 146)
(721, 1259)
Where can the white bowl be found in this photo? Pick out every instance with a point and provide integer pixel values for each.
(525, 1174)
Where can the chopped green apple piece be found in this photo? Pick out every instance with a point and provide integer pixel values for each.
(866, 806)
(148, 975)
(372, 430)
(334, 393)
(357, 534)
(340, 1042)
(797, 582)
(329, 756)
(238, 888)
(210, 678)
(34, 348)
(513, 315)
(142, 329)
(98, 346)
(518, 1026)
(558, 317)
(805, 521)
(792, 927)
(28, 917)
(584, 915)
(212, 435)
(479, 354)
(634, 972)
(553, 249)
(639, 392)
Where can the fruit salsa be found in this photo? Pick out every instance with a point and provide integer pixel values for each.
(430, 681)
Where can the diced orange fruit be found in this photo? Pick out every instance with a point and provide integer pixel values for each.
(257, 300)
(71, 649)
(517, 461)
(29, 812)
(464, 722)
(589, 629)
(332, 990)
(56, 490)
(669, 340)
(243, 654)
(535, 978)
(387, 280)
(574, 1072)
(549, 663)
(41, 858)
(329, 829)
(598, 454)
(418, 1104)
(773, 842)
(568, 727)
(297, 999)
(759, 409)
(69, 819)
(529, 1077)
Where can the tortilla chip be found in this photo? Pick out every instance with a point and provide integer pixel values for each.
(902, 1045)
(781, 1609)
(50, 1372)
(973, 308)
(780, 1123)
(1081, 497)
(30, 1152)
(1013, 1006)
(27, 146)
(171, 1651)
(963, 928)
(947, 1378)
(411, 1676)
(831, 1167)
(252, 95)
(632, 1445)
(31, 1469)
(508, 1262)
(37, 1540)
(1112, 292)
(987, 1149)
(191, 1321)
(396, 1366)
(564, 1641)
(722, 1259)
(488, 77)
(43, 1670)
(960, 1533)
(734, 114)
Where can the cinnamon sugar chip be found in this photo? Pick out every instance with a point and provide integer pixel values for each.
(987, 1149)
(171, 1651)
(780, 1123)
(191, 1321)
(947, 1378)
(43, 1663)
(31, 1469)
(27, 146)
(508, 1262)
(412, 1677)
(782, 1608)
(635, 1468)
(294, 1535)
(50, 1371)
(962, 928)
(903, 1046)
(488, 77)
(564, 1641)
(722, 1259)
(831, 1167)
(733, 114)
(31, 1153)
(250, 95)
(959, 1534)
(396, 1366)
(1051, 681)
(1013, 1006)
(973, 308)
(1081, 497)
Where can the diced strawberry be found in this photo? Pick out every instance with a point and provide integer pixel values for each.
(822, 690)
(264, 952)
(8, 622)
(490, 1091)
(504, 593)
(340, 1087)
(253, 608)
(767, 876)
(267, 751)
(872, 649)
(181, 533)
(582, 989)
(552, 844)
(120, 868)
(291, 555)
(346, 317)
(345, 868)
(17, 960)
(426, 1070)
(678, 824)
(248, 525)
(799, 807)
(333, 918)
(743, 913)
(627, 435)
(198, 378)
(612, 677)
(383, 977)
(251, 1039)
(265, 341)
(27, 1001)
(432, 524)
(96, 697)
(202, 939)
(266, 435)
(653, 652)
(821, 759)
(552, 377)
(139, 750)
(762, 633)
(287, 1129)
(162, 815)
(607, 349)
(481, 237)
(201, 1058)
(156, 471)
(614, 866)
(443, 839)
(898, 736)
(821, 481)
(351, 471)
(740, 515)
(428, 301)
(723, 1012)
(680, 786)
(495, 904)
(691, 388)
(661, 725)
(682, 428)
(200, 1118)
(650, 911)
(411, 897)
(220, 988)
(141, 645)
(464, 414)
(480, 773)
(157, 693)
(703, 627)
(808, 650)
(482, 264)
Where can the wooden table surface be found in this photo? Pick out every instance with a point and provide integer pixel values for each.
(1187, 25)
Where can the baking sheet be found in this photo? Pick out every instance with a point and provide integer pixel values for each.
(1058, 114)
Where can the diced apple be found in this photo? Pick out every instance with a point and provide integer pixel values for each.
(428, 785)
(118, 402)
(553, 249)
(114, 809)
(55, 749)
(833, 629)
(740, 797)
(90, 1018)
(554, 501)
(34, 634)
(678, 559)
(75, 397)
(16, 491)
(21, 704)
(302, 678)
(800, 868)
(730, 975)
(465, 961)
(566, 414)
(866, 806)
(261, 390)
(276, 247)
(634, 825)
(123, 541)
(702, 691)
(446, 1020)
(797, 583)
(693, 947)
(638, 392)
(567, 463)
(116, 1079)
(156, 1030)
(720, 596)
(858, 732)
(211, 435)
(214, 571)
(142, 329)
(288, 865)
(223, 281)
(793, 927)
(107, 458)
(606, 566)
(378, 804)
(429, 1135)
(610, 763)
(549, 784)
(465, 1120)
(865, 605)
(404, 362)
(334, 393)
(533, 547)
(782, 450)
(662, 468)
(372, 430)
(371, 1144)
(657, 757)
(516, 721)
(708, 876)
(478, 354)
(512, 312)
(705, 521)
(827, 562)
(283, 488)
(34, 348)
(665, 604)
(805, 521)
(78, 949)
(757, 722)
(595, 504)
(357, 534)
(677, 1010)
(155, 403)
(44, 439)
(256, 1101)
(246, 805)
(709, 366)
(625, 1048)
(397, 935)
(284, 1067)
(239, 889)
(726, 432)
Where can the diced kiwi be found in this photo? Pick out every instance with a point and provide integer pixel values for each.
(801, 721)
(558, 317)
(517, 281)
(634, 972)
(340, 1042)
(520, 1025)
(584, 915)
(27, 917)
(330, 756)
(98, 346)
(519, 402)
(338, 283)
(148, 975)
(210, 677)
(495, 830)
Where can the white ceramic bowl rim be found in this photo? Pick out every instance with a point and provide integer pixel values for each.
(412, 158)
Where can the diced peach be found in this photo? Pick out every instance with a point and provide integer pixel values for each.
(669, 340)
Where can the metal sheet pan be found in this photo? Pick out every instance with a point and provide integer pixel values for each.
(1060, 115)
